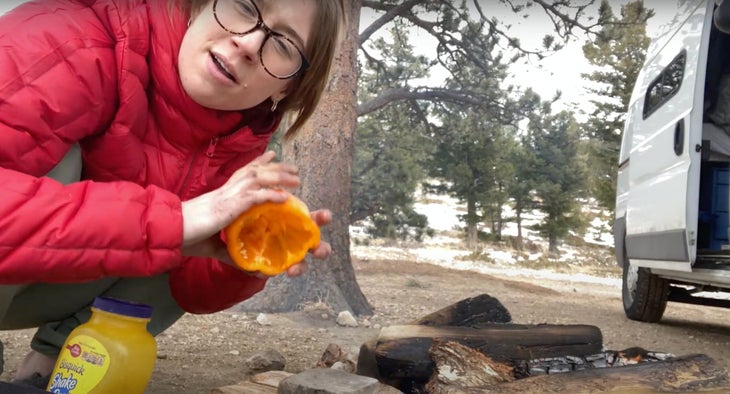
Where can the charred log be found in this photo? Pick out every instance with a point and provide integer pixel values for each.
(470, 312)
(461, 366)
(691, 373)
(403, 360)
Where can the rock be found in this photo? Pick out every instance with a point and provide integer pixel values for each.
(328, 381)
(344, 365)
(331, 355)
(262, 383)
(263, 319)
(268, 360)
(346, 319)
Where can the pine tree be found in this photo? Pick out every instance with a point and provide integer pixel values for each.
(472, 142)
(558, 173)
(618, 52)
(468, 163)
(391, 145)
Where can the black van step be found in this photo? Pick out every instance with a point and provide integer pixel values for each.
(680, 294)
(713, 261)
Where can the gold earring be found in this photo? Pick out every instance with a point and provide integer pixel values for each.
(274, 105)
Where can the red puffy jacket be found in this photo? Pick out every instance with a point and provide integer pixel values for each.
(104, 74)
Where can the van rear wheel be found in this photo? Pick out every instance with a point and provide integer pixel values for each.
(644, 294)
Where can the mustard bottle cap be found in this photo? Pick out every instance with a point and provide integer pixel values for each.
(121, 307)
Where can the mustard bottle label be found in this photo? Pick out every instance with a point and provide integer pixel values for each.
(82, 364)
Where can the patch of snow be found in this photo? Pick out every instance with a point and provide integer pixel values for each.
(442, 215)
(501, 256)
(446, 248)
(504, 263)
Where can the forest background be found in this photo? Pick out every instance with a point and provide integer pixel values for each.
(458, 98)
(396, 122)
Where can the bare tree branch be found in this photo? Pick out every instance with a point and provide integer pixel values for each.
(389, 15)
(454, 48)
(568, 21)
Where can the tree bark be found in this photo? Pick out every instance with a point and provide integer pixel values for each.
(553, 246)
(471, 225)
(518, 215)
(323, 151)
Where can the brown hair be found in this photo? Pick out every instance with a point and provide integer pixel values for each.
(305, 90)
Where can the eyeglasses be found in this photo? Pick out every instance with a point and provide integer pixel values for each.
(279, 56)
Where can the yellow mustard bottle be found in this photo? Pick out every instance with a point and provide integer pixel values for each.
(111, 353)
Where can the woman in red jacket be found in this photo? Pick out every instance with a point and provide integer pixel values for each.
(171, 106)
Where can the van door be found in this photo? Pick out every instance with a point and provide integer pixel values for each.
(666, 136)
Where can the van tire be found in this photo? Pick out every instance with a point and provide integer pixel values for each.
(644, 294)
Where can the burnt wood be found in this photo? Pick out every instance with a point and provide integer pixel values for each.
(469, 312)
(458, 365)
(691, 373)
(402, 352)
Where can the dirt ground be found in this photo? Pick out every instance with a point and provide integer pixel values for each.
(203, 352)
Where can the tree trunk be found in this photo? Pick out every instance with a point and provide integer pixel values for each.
(519, 227)
(500, 216)
(471, 225)
(323, 151)
(553, 246)
(500, 224)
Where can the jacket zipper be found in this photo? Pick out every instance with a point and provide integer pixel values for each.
(184, 180)
(209, 153)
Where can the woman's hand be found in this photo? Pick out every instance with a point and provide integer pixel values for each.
(322, 251)
(215, 247)
(259, 181)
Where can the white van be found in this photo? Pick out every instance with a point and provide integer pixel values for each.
(671, 225)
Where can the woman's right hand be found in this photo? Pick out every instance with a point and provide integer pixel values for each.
(259, 181)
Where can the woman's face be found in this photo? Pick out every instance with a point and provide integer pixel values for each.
(223, 71)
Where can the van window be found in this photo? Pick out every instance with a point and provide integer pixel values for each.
(665, 85)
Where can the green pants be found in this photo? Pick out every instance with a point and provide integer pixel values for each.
(56, 309)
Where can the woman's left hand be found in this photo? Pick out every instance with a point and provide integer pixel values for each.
(214, 246)
(322, 217)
